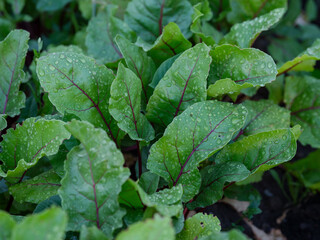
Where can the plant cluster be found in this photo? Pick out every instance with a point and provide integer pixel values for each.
(175, 82)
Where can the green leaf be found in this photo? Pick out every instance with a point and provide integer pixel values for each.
(149, 182)
(193, 136)
(139, 62)
(7, 225)
(147, 18)
(182, 85)
(36, 189)
(16, 5)
(76, 84)
(305, 61)
(199, 226)
(93, 179)
(6, 26)
(239, 69)
(302, 98)
(92, 233)
(51, 5)
(48, 225)
(126, 107)
(276, 89)
(101, 32)
(170, 43)
(261, 151)
(157, 228)
(23, 147)
(13, 50)
(3, 121)
(213, 178)
(263, 116)
(242, 10)
(233, 234)
(245, 33)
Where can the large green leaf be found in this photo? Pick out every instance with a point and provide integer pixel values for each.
(36, 189)
(148, 18)
(263, 116)
(193, 136)
(261, 151)
(139, 62)
(24, 146)
(13, 50)
(51, 5)
(157, 228)
(17, 5)
(76, 84)
(149, 182)
(92, 233)
(244, 34)
(126, 107)
(242, 10)
(7, 225)
(101, 32)
(182, 85)
(48, 225)
(93, 179)
(170, 43)
(198, 226)
(304, 62)
(213, 178)
(233, 69)
(302, 98)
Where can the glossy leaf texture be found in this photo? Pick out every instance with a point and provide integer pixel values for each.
(102, 30)
(13, 50)
(7, 225)
(157, 228)
(242, 10)
(199, 132)
(125, 105)
(263, 116)
(304, 62)
(77, 85)
(48, 225)
(36, 189)
(199, 226)
(233, 69)
(213, 179)
(139, 62)
(170, 43)
(93, 179)
(261, 151)
(182, 85)
(147, 18)
(244, 34)
(24, 146)
(303, 100)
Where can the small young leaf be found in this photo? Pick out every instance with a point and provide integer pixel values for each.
(93, 179)
(245, 33)
(198, 226)
(182, 85)
(92, 233)
(125, 107)
(13, 50)
(303, 99)
(148, 18)
(36, 189)
(24, 146)
(157, 228)
(76, 84)
(304, 62)
(170, 43)
(238, 69)
(48, 225)
(101, 32)
(149, 182)
(3, 121)
(193, 136)
(7, 225)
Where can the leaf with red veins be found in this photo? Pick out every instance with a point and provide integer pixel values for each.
(183, 85)
(24, 146)
(93, 180)
(13, 50)
(196, 134)
(78, 85)
(125, 105)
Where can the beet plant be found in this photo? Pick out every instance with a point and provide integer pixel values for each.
(169, 84)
